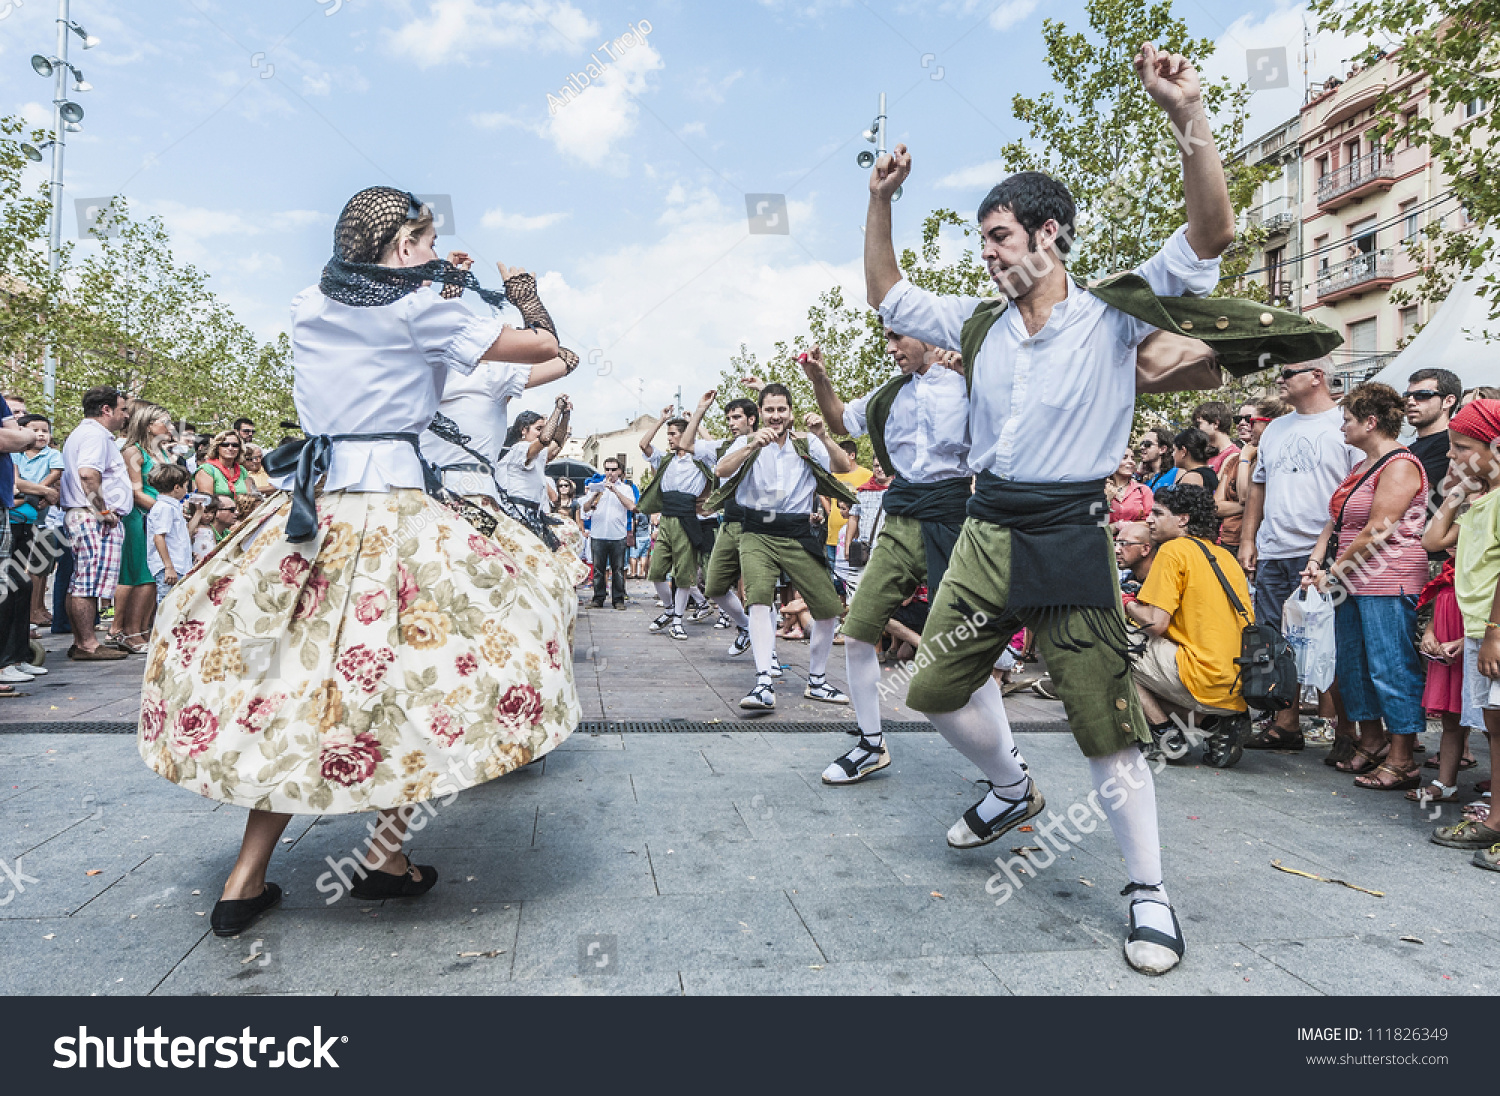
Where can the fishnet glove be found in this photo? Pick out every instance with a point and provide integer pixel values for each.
(558, 418)
(520, 290)
(569, 358)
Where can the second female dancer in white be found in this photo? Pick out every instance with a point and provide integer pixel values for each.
(362, 647)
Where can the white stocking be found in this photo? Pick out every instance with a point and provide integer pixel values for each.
(1123, 781)
(664, 591)
(730, 606)
(820, 645)
(681, 603)
(981, 732)
(862, 665)
(762, 637)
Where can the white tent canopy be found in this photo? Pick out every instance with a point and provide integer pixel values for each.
(1454, 339)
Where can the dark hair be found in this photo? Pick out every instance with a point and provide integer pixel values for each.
(850, 446)
(1034, 198)
(1272, 407)
(1447, 382)
(27, 420)
(1380, 402)
(1194, 503)
(166, 478)
(517, 428)
(748, 407)
(242, 421)
(775, 390)
(1216, 412)
(605, 462)
(680, 423)
(96, 399)
(1195, 441)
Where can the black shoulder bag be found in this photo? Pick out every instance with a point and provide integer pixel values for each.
(1268, 665)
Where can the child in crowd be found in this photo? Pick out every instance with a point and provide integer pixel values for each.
(1443, 647)
(169, 544)
(1476, 463)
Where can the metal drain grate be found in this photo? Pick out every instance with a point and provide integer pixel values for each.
(626, 726)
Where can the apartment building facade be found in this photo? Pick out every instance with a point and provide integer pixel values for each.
(1346, 218)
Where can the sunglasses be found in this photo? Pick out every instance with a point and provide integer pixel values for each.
(1288, 374)
(1422, 394)
(1244, 418)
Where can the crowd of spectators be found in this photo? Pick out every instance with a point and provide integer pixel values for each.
(110, 519)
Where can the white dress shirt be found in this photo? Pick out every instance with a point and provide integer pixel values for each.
(91, 445)
(479, 403)
(609, 520)
(682, 474)
(379, 369)
(780, 480)
(927, 434)
(1054, 407)
(521, 478)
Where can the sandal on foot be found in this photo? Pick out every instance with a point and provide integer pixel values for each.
(1463, 763)
(971, 831)
(1404, 778)
(863, 761)
(1489, 858)
(1435, 792)
(1274, 738)
(232, 916)
(1149, 950)
(1372, 761)
(1467, 834)
(377, 884)
(1341, 750)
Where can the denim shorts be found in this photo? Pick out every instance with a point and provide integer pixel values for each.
(1275, 581)
(1480, 692)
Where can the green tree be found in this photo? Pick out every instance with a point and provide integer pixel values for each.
(28, 290)
(1453, 43)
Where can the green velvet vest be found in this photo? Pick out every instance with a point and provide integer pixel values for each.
(827, 485)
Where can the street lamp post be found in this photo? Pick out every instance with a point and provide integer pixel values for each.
(65, 117)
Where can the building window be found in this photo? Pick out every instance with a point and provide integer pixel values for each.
(1320, 245)
(1408, 323)
(1320, 167)
(1276, 286)
(1473, 108)
(1362, 338)
(1411, 220)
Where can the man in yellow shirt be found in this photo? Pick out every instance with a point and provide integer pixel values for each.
(1193, 631)
(856, 478)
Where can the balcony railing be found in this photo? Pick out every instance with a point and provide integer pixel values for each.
(1348, 374)
(1277, 215)
(1370, 267)
(1369, 168)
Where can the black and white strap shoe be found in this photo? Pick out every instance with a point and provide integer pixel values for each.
(1225, 745)
(775, 664)
(819, 689)
(660, 622)
(676, 630)
(762, 698)
(971, 831)
(723, 621)
(1150, 950)
(702, 612)
(863, 761)
(741, 643)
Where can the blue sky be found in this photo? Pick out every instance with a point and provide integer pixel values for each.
(246, 126)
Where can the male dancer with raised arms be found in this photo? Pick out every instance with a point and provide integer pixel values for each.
(683, 473)
(1053, 382)
(918, 424)
(776, 478)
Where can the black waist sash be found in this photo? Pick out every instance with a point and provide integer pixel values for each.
(683, 506)
(798, 527)
(941, 508)
(734, 513)
(1060, 561)
(310, 459)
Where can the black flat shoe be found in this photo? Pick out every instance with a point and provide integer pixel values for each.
(378, 885)
(233, 916)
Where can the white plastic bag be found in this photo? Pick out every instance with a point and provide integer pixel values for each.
(1307, 623)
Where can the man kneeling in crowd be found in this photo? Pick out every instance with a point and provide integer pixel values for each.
(1193, 631)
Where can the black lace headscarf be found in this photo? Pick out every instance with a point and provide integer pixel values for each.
(368, 226)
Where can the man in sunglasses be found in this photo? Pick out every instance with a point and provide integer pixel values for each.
(1302, 460)
(1432, 396)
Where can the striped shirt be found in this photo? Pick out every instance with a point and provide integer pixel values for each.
(1399, 566)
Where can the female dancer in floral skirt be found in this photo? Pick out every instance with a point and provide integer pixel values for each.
(361, 647)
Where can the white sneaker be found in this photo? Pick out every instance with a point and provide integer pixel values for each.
(28, 668)
(14, 675)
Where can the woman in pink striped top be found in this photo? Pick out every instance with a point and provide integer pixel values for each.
(1378, 515)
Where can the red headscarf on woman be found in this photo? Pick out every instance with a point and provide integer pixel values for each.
(1479, 420)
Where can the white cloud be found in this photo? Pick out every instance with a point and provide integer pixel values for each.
(470, 30)
(587, 127)
(1010, 13)
(1329, 55)
(672, 311)
(983, 175)
(519, 222)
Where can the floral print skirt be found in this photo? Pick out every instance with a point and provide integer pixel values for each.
(395, 657)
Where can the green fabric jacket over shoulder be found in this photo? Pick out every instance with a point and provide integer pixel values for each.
(1245, 336)
(650, 500)
(878, 413)
(828, 487)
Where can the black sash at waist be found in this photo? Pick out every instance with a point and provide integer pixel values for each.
(798, 527)
(1059, 554)
(945, 501)
(684, 507)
